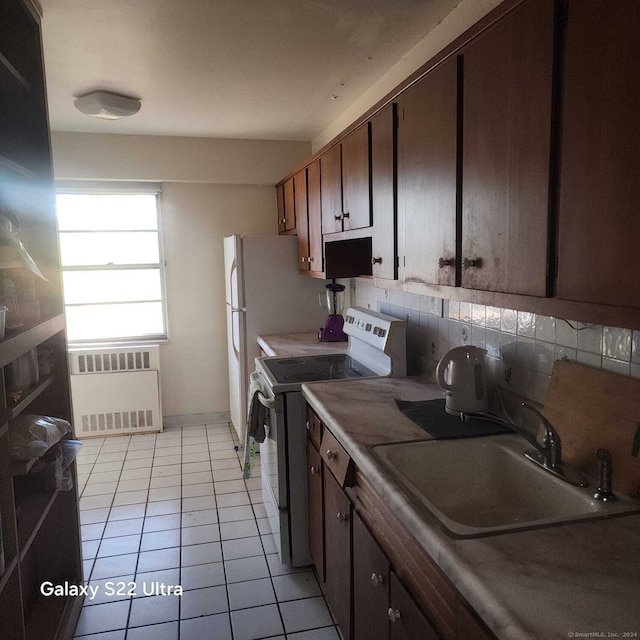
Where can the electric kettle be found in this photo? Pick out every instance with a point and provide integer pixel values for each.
(466, 389)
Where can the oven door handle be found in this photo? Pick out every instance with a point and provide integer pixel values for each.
(266, 402)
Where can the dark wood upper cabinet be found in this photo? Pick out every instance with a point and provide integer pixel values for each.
(280, 208)
(508, 73)
(599, 190)
(331, 190)
(384, 193)
(302, 219)
(427, 138)
(356, 179)
(345, 183)
(289, 206)
(286, 207)
(316, 262)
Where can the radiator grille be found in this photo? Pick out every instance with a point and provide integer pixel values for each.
(117, 421)
(116, 390)
(115, 361)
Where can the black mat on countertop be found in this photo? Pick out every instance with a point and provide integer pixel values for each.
(440, 425)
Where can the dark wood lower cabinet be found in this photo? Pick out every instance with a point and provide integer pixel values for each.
(370, 586)
(314, 486)
(337, 550)
(406, 620)
(366, 560)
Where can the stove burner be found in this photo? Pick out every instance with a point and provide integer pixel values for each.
(306, 376)
(288, 362)
(333, 357)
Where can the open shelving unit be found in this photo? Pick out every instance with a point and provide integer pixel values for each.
(39, 528)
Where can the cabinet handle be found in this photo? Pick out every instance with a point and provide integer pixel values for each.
(376, 260)
(342, 517)
(394, 614)
(303, 259)
(283, 221)
(338, 216)
(469, 264)
(345, 214)
(445, 262)
(331, 454)
(376, 579)
(310, 259)
(308, 425)
(314, 470)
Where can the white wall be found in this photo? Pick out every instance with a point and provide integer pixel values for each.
(195, 220)
(211, 189)
(99, 156)
(465, 15)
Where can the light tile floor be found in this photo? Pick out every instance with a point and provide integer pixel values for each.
(173, 509)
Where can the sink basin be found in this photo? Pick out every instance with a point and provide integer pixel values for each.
(484, 486)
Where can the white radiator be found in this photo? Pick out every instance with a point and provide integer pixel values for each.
(115, 390)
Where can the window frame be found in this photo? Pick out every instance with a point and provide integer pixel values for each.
(112, 188)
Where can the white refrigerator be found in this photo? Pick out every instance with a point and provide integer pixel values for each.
(265, 295)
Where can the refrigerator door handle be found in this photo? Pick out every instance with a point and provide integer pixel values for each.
(236, 350)
(232, 270)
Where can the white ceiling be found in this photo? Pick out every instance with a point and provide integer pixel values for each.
(263, 69)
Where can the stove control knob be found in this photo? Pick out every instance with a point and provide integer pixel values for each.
(367, 327)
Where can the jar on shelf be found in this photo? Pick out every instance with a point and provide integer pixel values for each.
(8, 298)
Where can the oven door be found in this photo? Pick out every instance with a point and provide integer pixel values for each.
(273, 464)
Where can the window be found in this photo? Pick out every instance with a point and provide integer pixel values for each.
(112, 267)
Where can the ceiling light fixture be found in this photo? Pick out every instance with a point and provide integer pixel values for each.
(107, 105)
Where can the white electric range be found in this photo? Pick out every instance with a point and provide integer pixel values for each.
(376, 348)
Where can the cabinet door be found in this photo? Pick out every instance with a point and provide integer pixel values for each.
(427, 125)
(289, 220)
(506, 152)
(302, 220)
(599, 225)
(407, 621)
(384, 193)
(356, 179)
(337, 549)
(316, 532)
(316, 263)
(280, 207)
(469, 626)
(370, 586)
(331, 190)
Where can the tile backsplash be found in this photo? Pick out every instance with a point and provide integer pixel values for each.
(521, 346)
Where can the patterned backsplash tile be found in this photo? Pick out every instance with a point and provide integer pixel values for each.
(521, 346)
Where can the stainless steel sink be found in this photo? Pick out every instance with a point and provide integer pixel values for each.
(483, 486)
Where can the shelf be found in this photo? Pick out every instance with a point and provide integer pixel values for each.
(15, 73)
(47, 616)
(34, 510)
(22, 467)
(15, 167)
(16, 344)
(8, 570)
(17, 409)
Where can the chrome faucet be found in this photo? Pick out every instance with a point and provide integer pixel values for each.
(552, 450)
(604, 491)
(549, 456)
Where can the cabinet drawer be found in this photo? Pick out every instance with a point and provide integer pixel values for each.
(314, 428)
(336, 459)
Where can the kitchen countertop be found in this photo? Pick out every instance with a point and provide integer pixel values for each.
(546, 583)
(298, 344)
